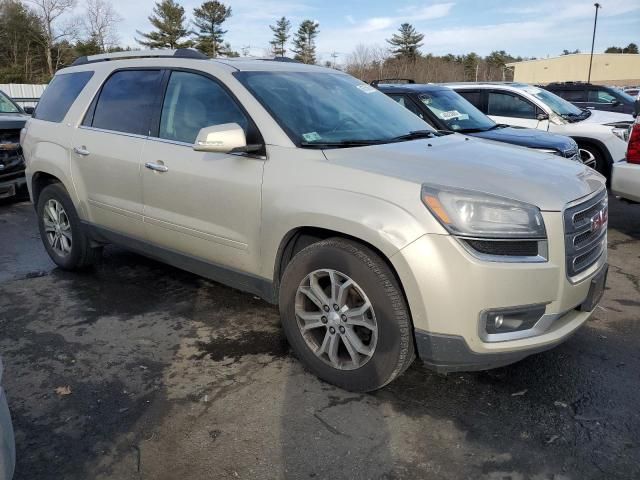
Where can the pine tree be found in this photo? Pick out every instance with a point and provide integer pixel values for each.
(304, 45)
(209, 18)
(169, 21)
(280, 36)
(407, 43)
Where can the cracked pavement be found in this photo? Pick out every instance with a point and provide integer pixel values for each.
(174, 376)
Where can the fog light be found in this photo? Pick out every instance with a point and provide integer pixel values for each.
(514, 319)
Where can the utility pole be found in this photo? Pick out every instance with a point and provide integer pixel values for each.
(593, 40)
(334, 55)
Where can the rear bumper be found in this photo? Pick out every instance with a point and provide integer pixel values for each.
(7, 441)
(625, 181)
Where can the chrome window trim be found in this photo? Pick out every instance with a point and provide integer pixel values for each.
(114, 132)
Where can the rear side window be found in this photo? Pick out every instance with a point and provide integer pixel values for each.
(507, 105)
(472, 96)
(126, 101)
(572, 95)
(193, 102)
(60, 95)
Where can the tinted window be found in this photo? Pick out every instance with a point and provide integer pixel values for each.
(601, 96)
(193, 102)
(505, 105)
(60, 95)
(408, 104)
(6, 105)
(573, 95)
(126, 101)
(473, 97)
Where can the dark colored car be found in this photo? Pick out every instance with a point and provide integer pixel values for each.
(444, 109)
(596, 97)
(12, 119)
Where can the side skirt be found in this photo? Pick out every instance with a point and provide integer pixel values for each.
(245, 282)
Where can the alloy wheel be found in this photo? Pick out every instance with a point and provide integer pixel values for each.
(57, 227)
(336, 319)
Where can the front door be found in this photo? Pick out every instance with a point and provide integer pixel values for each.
(512, 109)
(205, 205)
(107, 148)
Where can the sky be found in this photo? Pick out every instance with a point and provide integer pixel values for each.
(532, 28)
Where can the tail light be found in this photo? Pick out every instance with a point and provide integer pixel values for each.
(633, 149)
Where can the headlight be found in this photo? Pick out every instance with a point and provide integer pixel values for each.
(479, 215)
(621, 130)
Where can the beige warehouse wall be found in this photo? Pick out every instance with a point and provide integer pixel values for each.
(608, 68)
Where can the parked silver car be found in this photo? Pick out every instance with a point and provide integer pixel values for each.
(7, 443)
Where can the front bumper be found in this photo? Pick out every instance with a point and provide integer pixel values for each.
(448, 289)
(625, 180)
(11, 183)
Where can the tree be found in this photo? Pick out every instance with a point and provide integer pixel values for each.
(569, 52)
(304, 44)
(49, 12)
(209, 18)
(631, 48)
(407, 43)
(100, 24)
(280, 36)
(169, 21)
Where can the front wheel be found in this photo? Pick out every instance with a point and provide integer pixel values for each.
(593, 157)
(61, 231)
(345, 316)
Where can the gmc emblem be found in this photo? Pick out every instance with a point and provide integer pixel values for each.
(599, 220)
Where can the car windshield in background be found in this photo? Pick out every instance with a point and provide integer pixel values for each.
(332, 110)
(559, 105)
(624, 96)
(459, 114)
(6, 105)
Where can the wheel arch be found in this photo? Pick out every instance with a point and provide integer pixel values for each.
(601, 147)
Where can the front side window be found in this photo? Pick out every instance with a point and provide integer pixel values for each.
(601, 96)
(193, 102)
(330, 109)
(60, 94)
(126, 101)
(507, 105)
(557, 104)
(474, 97)
(6, 105)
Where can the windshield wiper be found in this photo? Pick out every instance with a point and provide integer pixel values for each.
(340, 144)
(414, 135)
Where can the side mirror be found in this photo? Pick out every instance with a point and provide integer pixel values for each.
(29, 110)
(542, 116)
(615, 103)
(225, 138)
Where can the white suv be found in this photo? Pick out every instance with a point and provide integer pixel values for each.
(377, 237)
(601, 136)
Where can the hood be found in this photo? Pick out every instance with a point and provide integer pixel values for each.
(528, 137)
(602, 117)
(536, 178)
(10, 121)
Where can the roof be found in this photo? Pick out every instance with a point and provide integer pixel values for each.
(410, 87)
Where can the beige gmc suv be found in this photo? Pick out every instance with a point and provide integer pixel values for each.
(379, 238)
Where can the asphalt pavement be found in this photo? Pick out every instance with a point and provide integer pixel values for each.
(137, 370)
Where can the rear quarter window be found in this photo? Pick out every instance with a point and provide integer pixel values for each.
(60, 95)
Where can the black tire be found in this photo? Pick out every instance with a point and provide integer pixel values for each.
(81, 254)
(394, 349)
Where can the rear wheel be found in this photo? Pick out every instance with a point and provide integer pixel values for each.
(345, 316)
(61, 231)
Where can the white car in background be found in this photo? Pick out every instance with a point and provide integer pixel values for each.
(625, 178)
(601, 136)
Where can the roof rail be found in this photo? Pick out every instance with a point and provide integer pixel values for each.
(178, 53)
(375, 83)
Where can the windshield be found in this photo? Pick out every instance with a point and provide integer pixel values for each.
(6, 105)
(456, 112)
(330, 109)
(559, 105)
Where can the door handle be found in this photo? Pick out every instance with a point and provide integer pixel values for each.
(156, 167)
(82, 151)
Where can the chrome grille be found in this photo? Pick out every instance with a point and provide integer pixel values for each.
(585, 233)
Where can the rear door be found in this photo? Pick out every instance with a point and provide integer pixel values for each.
(205, 205)
(107, 148)
(513, 109)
